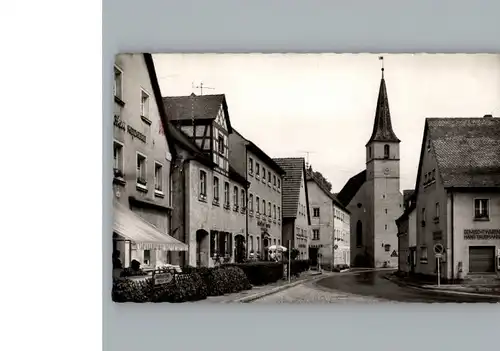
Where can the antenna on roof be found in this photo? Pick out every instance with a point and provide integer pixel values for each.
(201, 87)
(307, 153)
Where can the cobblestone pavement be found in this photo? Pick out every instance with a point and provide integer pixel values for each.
(311, 293)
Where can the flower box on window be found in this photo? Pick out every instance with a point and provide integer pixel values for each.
(226, 206)
(236, 208)
(436, 219)
(216, 202)
(142, 181)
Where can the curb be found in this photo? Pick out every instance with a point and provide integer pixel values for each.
(445, 291)
(257, 296)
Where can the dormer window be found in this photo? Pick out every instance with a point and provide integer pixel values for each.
(386, 151)
(370, 152)
(221, 144)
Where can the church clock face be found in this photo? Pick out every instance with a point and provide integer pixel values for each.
(387, 171)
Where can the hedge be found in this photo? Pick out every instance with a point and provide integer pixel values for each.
(261, 272)
(192, 284)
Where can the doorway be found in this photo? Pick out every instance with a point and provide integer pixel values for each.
(239, 249)
(313, 256)
(481, 259)
(201, 248)
(265, 244)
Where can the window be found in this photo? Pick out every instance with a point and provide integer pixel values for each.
(264, 207)
(359, 234)
(387, 247)
(428, 144)
(203, 184)
(386, 211)
(158, 177)
(250, 166)
(117, 84)
(235, 197)
(226, 194)
(269, 209)
(481, 208)
(141, 170)
(263, 174)
(250, 200)
(118, 159)
(269, 177)
(437, 210)
(279, 242)
(279, 184)
(243, 200)
(274, 179)
(274, 212)
(386, 227)
(221, 144)
(257, 204)
(257, 169)
(258, 243)
(386, 151)
(316, 212)
(279, 213)
(315, 234)
(147, 257)
(433, 174)
(216, 190)
(144, 104)
(370, 152)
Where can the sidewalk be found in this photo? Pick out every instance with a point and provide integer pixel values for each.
(487, 290)
(260, 291)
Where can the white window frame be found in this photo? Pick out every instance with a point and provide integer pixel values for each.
(120, 95)
(214, 188)
(250, 205)
(137, 154)
(257, 207)
(227, 194)
(487, 208)
(122, 146)
(159, 192)
(148, 107)
(250, 166)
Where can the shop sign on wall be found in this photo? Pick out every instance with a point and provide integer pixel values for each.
(482, 234)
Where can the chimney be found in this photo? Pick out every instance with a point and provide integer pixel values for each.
(488, 116)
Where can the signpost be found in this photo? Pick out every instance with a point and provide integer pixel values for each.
(289, 258)
(438, 252)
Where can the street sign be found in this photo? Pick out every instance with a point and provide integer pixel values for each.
(394, 254)
(335, 247)
(438, 249)
(163, 278)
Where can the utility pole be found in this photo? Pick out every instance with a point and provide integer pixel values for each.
(201, 87)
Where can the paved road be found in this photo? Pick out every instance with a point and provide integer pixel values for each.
(373, 285)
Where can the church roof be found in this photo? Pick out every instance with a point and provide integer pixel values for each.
(196, 106)
(467, 151)
(294, 168)
(382, 127)
(351, 188)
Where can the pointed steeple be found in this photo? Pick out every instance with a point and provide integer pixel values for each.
(382, 127)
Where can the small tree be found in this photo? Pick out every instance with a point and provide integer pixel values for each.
(294, 253)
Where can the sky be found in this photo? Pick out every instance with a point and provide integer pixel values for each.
(324, 104)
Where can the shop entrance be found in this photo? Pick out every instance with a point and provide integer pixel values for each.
(481, 259)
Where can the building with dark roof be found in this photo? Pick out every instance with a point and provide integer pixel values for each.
(142, 155)
(458, 197)
(330, 228)
(209, 193)
(373, 196)
(264, 194)
(295, 213)
(407, 234)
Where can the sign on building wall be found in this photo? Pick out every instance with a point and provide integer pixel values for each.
(482, 234)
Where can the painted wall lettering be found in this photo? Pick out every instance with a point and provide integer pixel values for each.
(482, 234)
(136, 134)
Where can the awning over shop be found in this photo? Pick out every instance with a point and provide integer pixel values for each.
(146, 236)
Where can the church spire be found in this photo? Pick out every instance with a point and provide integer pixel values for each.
(382, 128)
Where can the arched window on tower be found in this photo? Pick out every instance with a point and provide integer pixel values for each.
(359, 234)
(370, 152)
(386, 151)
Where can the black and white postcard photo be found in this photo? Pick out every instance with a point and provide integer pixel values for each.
(306, 178)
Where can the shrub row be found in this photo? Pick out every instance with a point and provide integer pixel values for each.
(261, 272)
(192, 284)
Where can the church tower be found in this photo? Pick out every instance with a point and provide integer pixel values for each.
(382, 184)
